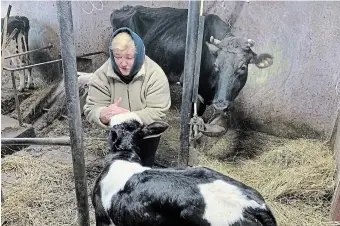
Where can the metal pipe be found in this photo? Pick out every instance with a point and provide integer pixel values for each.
(36, 141)
(33, 65)
(90, 54)
(189, 70)
(68, 53)
(17, 103)
(43, 63)
(201, 8)
(31, 51)
(48, 47)
(198, 58)
(62, 141)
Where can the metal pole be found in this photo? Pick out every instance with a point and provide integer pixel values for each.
(31, 51)
(189, 70)
(198, 58)
(68, 53)
(63, 141)
(40, 141)
(30, 66)
(90, 54)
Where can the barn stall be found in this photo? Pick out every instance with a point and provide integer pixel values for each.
(283, 144)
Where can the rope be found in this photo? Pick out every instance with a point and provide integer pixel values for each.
(93, 7)
(96, 7)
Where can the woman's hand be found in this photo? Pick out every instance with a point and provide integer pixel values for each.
(111, 110)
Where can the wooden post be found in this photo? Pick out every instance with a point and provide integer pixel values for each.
(188, 81)
(335, 208)
(68, 54)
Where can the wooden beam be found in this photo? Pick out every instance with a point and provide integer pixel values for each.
(335, 208)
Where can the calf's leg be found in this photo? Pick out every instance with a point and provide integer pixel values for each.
(19, 49)
(30, 84)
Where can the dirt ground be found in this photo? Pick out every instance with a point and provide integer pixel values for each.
(296, 177)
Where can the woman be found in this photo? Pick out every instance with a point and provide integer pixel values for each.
(129, 83)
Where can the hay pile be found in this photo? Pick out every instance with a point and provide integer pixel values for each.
(39, 188)
(38, 182)
(296, 178)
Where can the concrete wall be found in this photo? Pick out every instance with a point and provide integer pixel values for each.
(91, 29)
(296, 96)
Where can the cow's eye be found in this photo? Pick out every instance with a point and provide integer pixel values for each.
(243, 67)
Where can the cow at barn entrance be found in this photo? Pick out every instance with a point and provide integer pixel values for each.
(225, 58)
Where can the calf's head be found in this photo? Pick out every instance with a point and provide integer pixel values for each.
(231, 57)
(126, 136)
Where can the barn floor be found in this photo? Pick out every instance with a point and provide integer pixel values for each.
(296, 176)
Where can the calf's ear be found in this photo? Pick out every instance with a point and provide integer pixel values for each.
(154, 129)
(263, 60)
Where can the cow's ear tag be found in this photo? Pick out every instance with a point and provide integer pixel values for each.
(212, 48)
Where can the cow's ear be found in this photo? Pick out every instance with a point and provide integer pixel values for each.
(212, 48)
(154, 129)
(263, 60)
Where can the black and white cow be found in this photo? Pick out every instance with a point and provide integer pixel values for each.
(225, 58)
(126, 193)
(20, 39)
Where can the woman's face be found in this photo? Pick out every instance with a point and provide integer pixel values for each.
(125, 60)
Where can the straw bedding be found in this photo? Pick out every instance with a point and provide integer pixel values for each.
(296, 177)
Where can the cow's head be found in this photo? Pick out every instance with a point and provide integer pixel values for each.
(231, 57)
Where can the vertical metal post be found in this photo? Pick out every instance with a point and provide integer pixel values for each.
(188, 80)
(68, 53)
(198, 58)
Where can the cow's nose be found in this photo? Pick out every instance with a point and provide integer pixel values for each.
(221, 105)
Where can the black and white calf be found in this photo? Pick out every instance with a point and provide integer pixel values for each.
(20, 42)
(128, 194)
